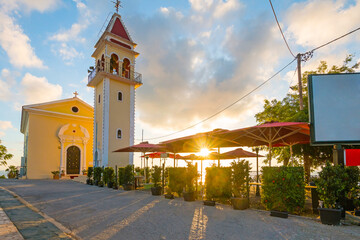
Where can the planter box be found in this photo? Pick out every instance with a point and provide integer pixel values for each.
(169, 196)
(128, 187)
(156, 191)
(330, 216)
(209, 203)
(56, 177)
(189, 196)
(240, 203)
(279, 214)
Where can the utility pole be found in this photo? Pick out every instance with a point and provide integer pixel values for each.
(299, 81)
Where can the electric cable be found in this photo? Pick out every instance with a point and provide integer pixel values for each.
(282, 34)
(227, 107)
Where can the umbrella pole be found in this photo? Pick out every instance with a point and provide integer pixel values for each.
(174, 159)
(218, 157)
(257, 172)
(144, 168)
(291, 156)
(270, 154)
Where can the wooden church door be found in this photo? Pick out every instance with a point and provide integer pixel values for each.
(73, 160)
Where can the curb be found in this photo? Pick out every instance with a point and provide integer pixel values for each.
(67, 231)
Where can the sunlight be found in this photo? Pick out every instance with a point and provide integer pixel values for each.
(204, 152)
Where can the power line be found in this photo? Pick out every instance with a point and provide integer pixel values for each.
(282, 34)
(335, 39)
(232, 104)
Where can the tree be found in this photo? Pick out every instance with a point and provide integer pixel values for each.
(12, 171)
(288, 110)
(4, 156)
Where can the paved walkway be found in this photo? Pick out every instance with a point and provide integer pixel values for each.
(91, 212)
(26, 223)
(8, 231)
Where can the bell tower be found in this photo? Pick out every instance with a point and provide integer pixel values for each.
(114, 81)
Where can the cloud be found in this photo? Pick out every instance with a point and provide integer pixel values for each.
(194, 70)
(6, 82)
(38, 89)
(310, 27)
(5, 125)
(215, 8)
(66, 38)
(17, 44)
(28, 5)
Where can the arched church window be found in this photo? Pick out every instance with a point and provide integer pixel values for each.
(126, 68)
(98, 66)
(102, 63)
(118, 134)
(120, 96)
(99, 99)
(114, 64)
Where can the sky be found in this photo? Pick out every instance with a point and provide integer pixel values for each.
(196, 56)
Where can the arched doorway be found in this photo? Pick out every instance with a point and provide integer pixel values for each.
(73, 160)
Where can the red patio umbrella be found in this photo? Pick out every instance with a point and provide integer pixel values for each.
(274, 134)
(239, 153)
(142, 147)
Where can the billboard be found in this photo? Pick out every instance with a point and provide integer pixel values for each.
(334, 108)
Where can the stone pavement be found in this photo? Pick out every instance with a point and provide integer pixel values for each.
(7, 229)
(91, 212)
(28, 223)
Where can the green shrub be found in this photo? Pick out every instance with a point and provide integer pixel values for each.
(283, 188)
(108, 175)
(97, 174)
(129, 174)
(156, 175)
(352, 189)
(177, 179)
(331, 184)
(240, 178)
(190, 178)
(2, 177)
(147, 170)
(121, 173)
(90, 172)
(218, 183)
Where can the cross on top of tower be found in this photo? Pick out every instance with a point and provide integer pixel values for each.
(117, 5)
(75, 94)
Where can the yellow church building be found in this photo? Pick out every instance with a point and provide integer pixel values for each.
(57, 136)
(69, 135)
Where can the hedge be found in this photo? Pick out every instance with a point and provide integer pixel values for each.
(177, 179)
(218, 183)
(283, 188)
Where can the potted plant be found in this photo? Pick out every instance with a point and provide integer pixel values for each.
(190, 178)
(84, 172)
(62, 173)
(156, 177)
(217, 185)
(55, 175)
(121, 172)
(128, 178)
(240, 184)
(352, 189)
(89, 175)
(283, 190)
(108, 176)
(97, 175)
(176, 180)
(330, 186)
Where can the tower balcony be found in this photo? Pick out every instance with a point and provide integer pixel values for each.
(107, 70)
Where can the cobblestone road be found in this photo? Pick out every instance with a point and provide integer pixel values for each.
(91, 212)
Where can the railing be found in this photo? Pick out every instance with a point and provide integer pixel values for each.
(114, 69)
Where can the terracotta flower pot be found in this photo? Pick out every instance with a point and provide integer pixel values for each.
(209, 203)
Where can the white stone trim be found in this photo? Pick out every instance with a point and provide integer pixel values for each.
(75, 141)
(94, 129)
(132, 121)
(106, 119)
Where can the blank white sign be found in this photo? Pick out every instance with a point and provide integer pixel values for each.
(336, 108)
